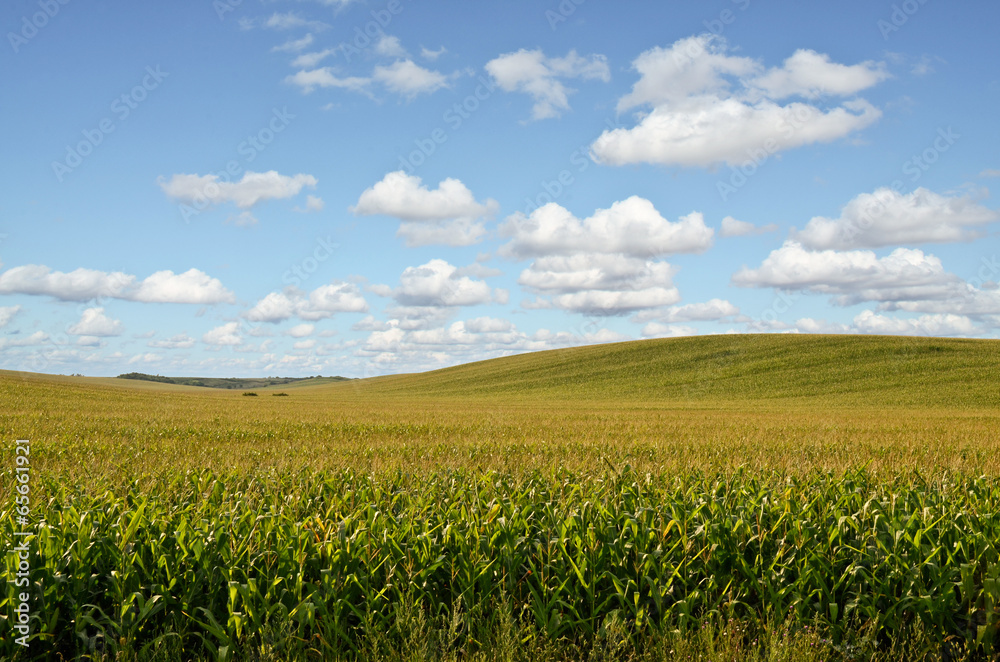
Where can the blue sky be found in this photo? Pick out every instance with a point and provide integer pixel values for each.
(345, 187)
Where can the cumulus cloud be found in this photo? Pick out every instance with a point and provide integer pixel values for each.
(631, 227)
(926, 325)
(812, 75)
(732, 227)
(657, 330)
(193, 286)
(93, 322)
(539, 76)
(77, 285)
(226, 335)
(388, 46)
(438, 284)
(602, 265)
(714, 310)
(392, 347)
(905, 280)
(323, 302)
(887, 217)
(253, 188)
(449, 214)
(708, 107)
(600, 284)
(408, 79)
(852, 276)
(301, 330)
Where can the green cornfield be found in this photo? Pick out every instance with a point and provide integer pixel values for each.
(206, 563)
(367, 521)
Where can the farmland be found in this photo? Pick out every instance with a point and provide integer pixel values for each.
(734, 497)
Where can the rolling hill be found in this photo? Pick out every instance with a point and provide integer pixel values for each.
(816, 369)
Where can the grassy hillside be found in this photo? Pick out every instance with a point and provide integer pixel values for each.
(823, 370)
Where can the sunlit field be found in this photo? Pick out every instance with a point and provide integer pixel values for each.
(729, 497)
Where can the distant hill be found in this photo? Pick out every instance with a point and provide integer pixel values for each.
(816, 370)
(229, 382)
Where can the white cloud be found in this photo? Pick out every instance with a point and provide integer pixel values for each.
(631, 227)
(926, 325)
(93, 322)
(192, 286)
(811, 75)
(290, 20)
(853, 276)
(226, 335)
(408, 79)
(887, 217)
(36, 338)
(294, 45)
(313, 203)
(393, 347)
(532, 73)
(387, 46)
(714, 310)
(310, 79)
(77, 285)
(437, 284)
(253, 188)
(709, 107)
(310, 60)
(301, 330)
(323, 302)
(602, 265)
(179, 341)
(601, 284)
(447, 215)
(428, 54)
(735, 228)
(7, 313)
(403, 77)
(148, 357)
(657, 330)
(990, 173)
(304, 344)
